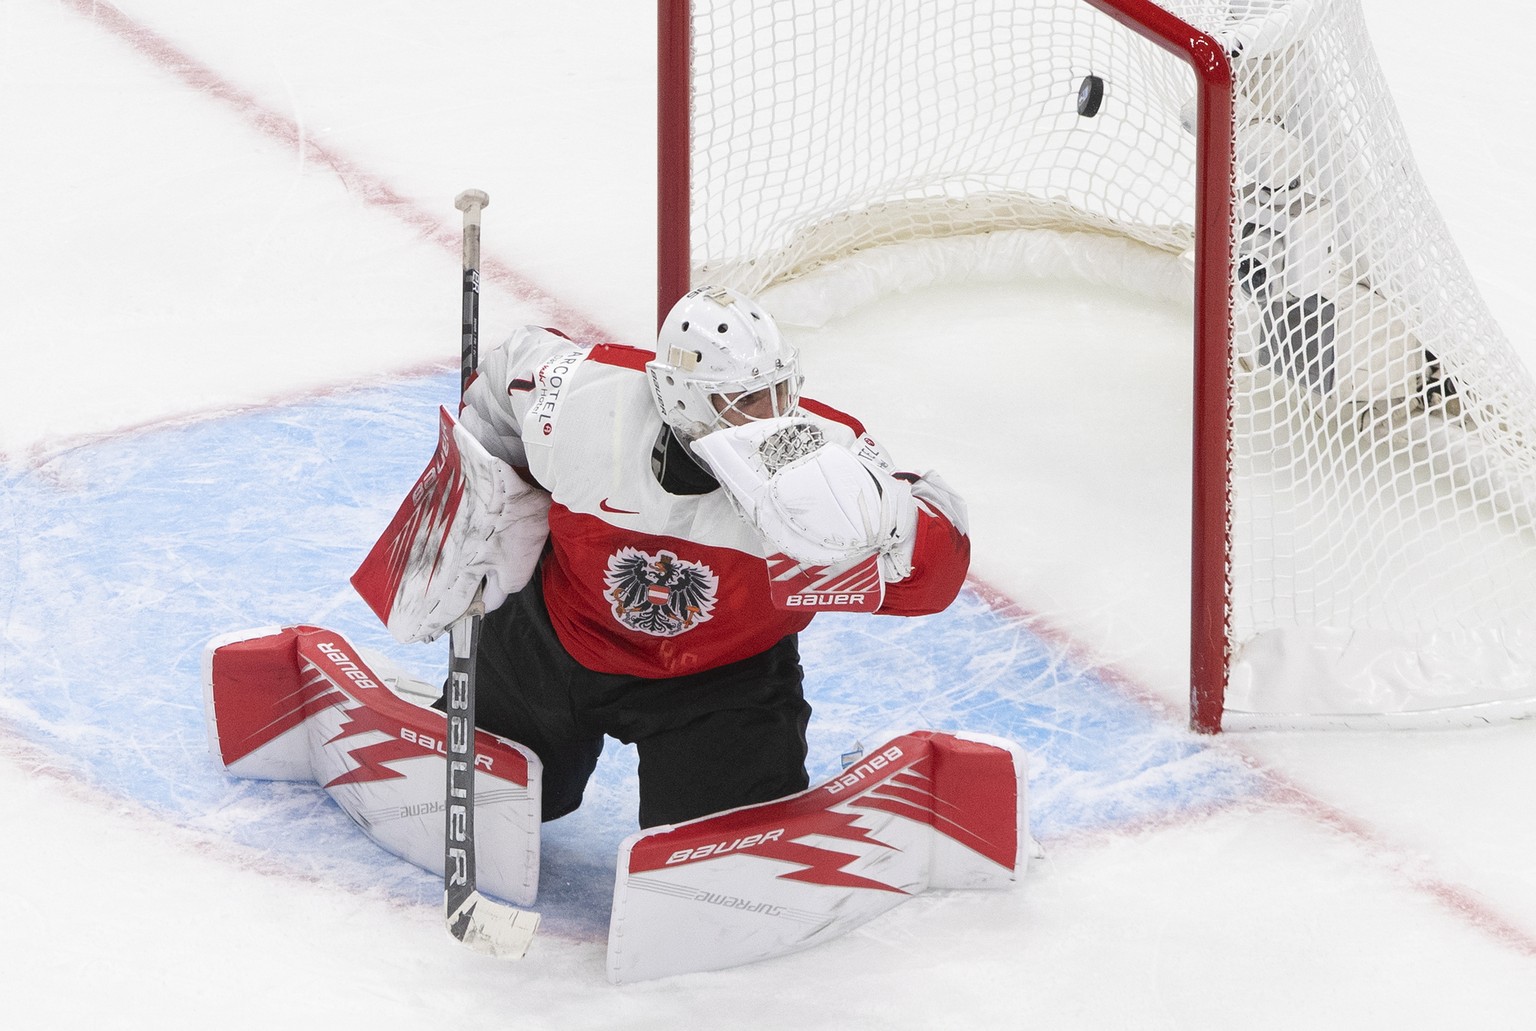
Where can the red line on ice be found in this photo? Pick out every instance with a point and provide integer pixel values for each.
(1462, 901)
(369, 187)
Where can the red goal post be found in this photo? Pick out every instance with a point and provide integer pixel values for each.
(1364, 441)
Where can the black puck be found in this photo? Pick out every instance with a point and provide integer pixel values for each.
(1090, 94)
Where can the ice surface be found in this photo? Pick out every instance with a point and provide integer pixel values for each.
(227, 314)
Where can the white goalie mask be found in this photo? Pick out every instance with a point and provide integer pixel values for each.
(721, 361)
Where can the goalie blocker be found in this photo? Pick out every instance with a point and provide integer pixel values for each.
(469, 525)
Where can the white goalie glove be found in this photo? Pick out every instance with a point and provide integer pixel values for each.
(469, 521)
(815, 492)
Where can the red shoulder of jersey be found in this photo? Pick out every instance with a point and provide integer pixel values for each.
(622, 355)
(826, 411)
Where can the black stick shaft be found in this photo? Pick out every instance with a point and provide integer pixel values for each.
(459, 867)
(464, 636)
(470, 202)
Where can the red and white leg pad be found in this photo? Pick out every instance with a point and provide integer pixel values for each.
(300, 703)
(927, 810)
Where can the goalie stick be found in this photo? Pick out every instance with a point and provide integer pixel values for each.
(486, 926)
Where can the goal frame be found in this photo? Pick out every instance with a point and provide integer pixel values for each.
(1211, 508)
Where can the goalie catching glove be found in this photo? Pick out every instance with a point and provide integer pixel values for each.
(815, 492)
(469, 521)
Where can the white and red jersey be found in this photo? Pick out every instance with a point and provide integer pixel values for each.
(639, 580)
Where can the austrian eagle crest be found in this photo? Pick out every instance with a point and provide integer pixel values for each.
(661, 595)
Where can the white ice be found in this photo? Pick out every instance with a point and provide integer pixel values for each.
(205, 206)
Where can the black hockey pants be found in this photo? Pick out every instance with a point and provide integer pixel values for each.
(708, 741)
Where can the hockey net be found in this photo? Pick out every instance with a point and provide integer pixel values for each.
(1365, 474)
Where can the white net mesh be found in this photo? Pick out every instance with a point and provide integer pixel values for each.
(1383, 559)
(866, 124)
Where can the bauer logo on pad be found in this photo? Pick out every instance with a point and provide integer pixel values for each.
(849, 587)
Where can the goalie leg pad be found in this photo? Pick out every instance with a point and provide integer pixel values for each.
(299, 703)
(926, 810)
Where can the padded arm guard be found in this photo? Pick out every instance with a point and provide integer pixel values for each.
(469, 521)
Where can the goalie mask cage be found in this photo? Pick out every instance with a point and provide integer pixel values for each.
(1364, 478)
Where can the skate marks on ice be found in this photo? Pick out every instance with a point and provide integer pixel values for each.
(127, 554)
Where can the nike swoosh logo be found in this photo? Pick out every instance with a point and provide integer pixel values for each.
(603, 504)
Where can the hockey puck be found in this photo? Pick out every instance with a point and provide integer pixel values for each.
(1090, 94)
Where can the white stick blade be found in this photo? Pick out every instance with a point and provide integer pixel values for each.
(493, 929)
